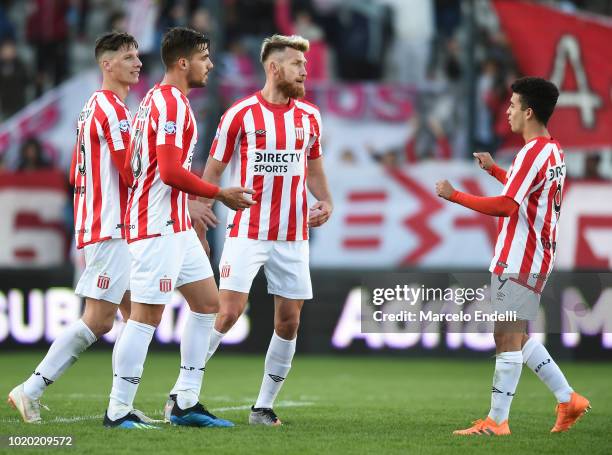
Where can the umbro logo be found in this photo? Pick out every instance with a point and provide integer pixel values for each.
(47, 380)
(496, 390)
(276, 378)
(260, 132)
(131, 379)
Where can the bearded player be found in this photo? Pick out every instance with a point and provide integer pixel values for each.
(100, 198)
(165, 250)
(529, 209)
(272, 142)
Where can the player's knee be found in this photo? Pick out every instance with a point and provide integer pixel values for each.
(287, 328)
(227, 317)
(100, 328)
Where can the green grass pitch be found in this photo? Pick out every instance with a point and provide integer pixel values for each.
(328, 405)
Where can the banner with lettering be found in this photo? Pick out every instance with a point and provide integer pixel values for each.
(573, 51)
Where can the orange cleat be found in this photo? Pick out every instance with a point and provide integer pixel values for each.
(486, 427)
(569, 413)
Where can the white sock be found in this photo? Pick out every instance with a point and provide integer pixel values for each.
(215, 340)
(508, 366)
(278, 363)
(131, 354)
(63, 352)
(540, 361)
(194, 346)
(120, 327)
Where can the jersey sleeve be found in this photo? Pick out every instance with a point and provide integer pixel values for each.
(525, 173)
(315, 151)
(172, 120)
(227, 136)
(117, 127)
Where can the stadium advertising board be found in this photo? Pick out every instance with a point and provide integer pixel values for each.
(576, 315)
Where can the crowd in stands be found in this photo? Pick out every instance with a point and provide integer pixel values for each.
(421, 44)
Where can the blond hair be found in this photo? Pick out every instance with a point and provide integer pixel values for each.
(280, 42)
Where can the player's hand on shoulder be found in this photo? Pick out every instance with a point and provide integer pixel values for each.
(236, 198)
(202, 213)
(485, 160)
(444, 189)
(319, 213)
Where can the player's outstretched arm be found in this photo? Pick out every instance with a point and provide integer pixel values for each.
(494, 206)
(173, 174)
(317, 185)
(486, 162)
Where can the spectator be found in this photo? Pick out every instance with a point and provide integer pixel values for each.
(236, 65)
(305, 26)
(117, 21)
(591, 167)
(14, 80)
(7, 29)
(31, 157)
(47, 32)
(364, 34)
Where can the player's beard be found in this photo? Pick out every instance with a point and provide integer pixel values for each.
(291, 89)
(196, 83)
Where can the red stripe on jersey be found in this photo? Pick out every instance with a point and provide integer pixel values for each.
(297, 121)
(279, 126)
(174, 215)
(503, 257)
(260, 127)
(120, 113)
(525, 167)
(244, 146)
(305, 205)
(546, 228)
(256, 209)
(530, 246)
(277, 194)
(143, 201)
(96, 226)
(295, 180)
(183, 215)
(123, 194)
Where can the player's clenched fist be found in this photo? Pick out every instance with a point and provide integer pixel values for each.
(485, 160)
(319, 213)
(444, 189)
(234, 197)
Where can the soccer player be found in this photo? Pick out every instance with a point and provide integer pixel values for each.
(529, 209)
(272, 141)
(100, 199)
(166, 253)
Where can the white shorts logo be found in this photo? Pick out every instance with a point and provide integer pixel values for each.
(170, 128)
(165, 285)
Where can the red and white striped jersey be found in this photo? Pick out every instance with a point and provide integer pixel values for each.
(164, 118)
(526, 243)
(268, 147)
(100, 196)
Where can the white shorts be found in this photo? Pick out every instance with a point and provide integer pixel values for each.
(161, 264)
(509, 295)
(107, 271)
(286, 265)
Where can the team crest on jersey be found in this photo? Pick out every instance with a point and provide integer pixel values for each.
(165, 285)
(299, 134)
(225, 270)
(124, 126)
(103, 281)
(170, 128)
